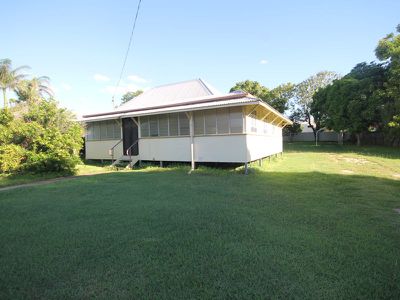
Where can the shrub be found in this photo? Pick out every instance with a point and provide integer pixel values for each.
(11, 158)
(48, 135)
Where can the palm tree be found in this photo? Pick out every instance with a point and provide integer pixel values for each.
(9, 78)
(34, 90)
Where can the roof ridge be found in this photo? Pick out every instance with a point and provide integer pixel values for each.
(205, 86)
(174, 83)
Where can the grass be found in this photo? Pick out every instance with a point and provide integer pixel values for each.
(88, 168)
(319, 223)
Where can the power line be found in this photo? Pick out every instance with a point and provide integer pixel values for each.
(127, 53)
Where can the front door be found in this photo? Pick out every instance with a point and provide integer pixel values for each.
(130, 135)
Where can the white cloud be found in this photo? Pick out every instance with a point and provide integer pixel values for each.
(122, 89)
(137, 79)
(66, 86)
(100, 77)
(263, 61)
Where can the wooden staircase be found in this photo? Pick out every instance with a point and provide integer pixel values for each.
(126, 162)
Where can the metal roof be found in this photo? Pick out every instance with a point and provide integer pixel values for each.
(173, 109)
(170, 94)
(184, 96)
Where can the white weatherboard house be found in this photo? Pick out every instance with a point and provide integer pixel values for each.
(186, 122)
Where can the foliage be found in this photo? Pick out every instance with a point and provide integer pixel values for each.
(304, 93)
(278, 97)
(295, 128)
(388, 50)
(11, 157)
(33, 90)
(366, 99)
(49, 137)
(352, 103)
(130, 95)
(9, 77)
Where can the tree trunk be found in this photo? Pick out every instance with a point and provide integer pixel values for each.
(340, 137)
(358, 136)
(312, 127)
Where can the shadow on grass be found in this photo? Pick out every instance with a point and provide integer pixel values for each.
(378, 151)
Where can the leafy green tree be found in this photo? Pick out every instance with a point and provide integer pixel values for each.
(252, 87)
(9, 78)
(353, 103)
(130, 95)
(33, 90)
(278, 97)
(304, 93)
(388, 50)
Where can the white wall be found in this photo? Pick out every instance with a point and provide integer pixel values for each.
(165, 149)
(99, 149)
(220, 148)
(259, 146)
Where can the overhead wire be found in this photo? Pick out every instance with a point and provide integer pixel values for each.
(126, 54)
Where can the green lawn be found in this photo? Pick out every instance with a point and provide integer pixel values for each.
(319, 223)
(83, 169)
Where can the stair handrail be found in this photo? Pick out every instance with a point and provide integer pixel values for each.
(112, 150)
(129, 150)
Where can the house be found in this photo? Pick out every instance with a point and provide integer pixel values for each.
(186, 122)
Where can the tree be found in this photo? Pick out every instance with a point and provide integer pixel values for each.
(353, 103)
(130, 95)
(304, 93)
(388, 50)
(278, 97)
(9, 78)
(34, 90)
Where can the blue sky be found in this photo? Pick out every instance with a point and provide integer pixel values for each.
(80, 44)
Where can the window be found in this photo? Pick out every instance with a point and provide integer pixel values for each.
(110, 130)
(103, 130)
(210, 120)
(198, 123)
(144, 126)
(173, 124)
(163, 125)
(184, 127)
(96, 131)
(153, 126)
(222, 121)
(236, 120)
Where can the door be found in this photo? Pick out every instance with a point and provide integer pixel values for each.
(130, 135)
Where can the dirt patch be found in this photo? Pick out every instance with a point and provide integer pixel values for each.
(358, 161)
(396, 175)
(348, 172)
(352, 160)
(397, 210)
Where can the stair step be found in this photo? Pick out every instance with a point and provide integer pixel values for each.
(125, 162)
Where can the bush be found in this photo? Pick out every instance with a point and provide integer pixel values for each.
(11, 158)
(43, 138)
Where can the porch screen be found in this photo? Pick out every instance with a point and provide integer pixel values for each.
(164, 125)
(218, 121)
(103, 130)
